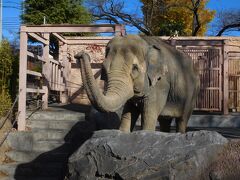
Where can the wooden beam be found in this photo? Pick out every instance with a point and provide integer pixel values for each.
(45, 97)
(22, 82)
(46, 71)
(69, 28)
(225, 81)
(40, 58)
(198, 42)
(66, 75)
(54, 61)
(34, 73)
(59, 37)
(31, 90)
(88, 41)
(39, 38)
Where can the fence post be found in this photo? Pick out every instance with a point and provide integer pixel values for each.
(119, 30)
(66, 73)
(46, 71)
(22, 81)
(225, 79)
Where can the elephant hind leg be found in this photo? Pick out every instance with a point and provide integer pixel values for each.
(165, 123)
(181, 124)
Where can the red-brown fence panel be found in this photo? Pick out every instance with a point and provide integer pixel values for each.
(234, 80)
(208, 62)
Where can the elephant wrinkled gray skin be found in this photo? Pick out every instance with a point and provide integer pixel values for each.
(148, 77)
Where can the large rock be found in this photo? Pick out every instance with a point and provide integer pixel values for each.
(111, 154)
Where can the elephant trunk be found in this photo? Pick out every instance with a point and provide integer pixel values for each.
(118, 91)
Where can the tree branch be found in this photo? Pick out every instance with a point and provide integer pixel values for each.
(230, 26)
(196, 21)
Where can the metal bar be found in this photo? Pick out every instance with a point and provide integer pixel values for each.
(22, 81)
(39, 38)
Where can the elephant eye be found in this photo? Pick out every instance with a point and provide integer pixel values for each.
(135, 67)
(135, 71)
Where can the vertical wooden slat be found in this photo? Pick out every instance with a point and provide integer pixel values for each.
(66, 73)
(46, 70)
(22, 82)
(54, 77)
(45, 95)
(225, 82)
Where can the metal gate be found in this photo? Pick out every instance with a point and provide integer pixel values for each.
(209, 63)
(234, 80)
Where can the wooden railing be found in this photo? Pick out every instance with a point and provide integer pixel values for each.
(54, 73)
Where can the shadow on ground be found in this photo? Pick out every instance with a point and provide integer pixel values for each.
(46, 165)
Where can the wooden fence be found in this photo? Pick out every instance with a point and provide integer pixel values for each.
(234, 80)
(218, 61)
(54, 73)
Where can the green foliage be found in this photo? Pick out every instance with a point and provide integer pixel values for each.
(6, 62)
(56, 12)
(5, 102)
(164, 17)
(13, 88)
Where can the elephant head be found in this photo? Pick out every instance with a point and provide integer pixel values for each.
(131, 66)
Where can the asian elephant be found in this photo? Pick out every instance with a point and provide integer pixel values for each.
(146, 76)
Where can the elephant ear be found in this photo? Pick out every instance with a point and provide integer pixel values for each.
(155, 65)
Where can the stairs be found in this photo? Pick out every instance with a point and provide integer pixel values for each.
(42, 152)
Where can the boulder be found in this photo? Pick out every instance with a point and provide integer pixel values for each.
(112, 154)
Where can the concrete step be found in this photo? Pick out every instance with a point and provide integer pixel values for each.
(49, 145)
(27, 156)
(56, 115)
(31, 170)
(52, 124)
(49, 134)
(29, 141)
(30, 178)
(20, 140)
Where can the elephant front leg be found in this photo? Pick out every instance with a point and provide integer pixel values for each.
(149, 117)
(129, 117)
(153, 106)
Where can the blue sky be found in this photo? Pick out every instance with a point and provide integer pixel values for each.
(12, 11)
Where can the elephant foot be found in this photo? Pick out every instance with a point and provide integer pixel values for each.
(126, 130)
(181, 125)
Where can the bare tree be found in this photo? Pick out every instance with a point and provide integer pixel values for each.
(196, 21)
(228, 20)
(113, 11)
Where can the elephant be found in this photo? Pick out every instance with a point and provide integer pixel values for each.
(146, 76)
